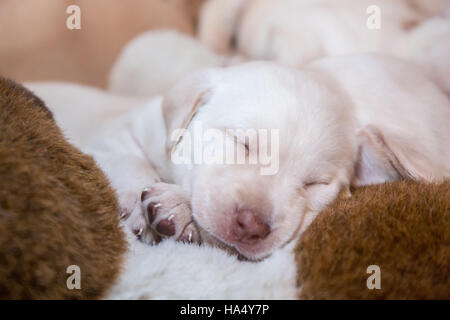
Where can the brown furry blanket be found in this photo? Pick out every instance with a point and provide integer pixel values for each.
(403, 228)
(56, 208)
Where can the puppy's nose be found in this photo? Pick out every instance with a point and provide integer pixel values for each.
(250, 227)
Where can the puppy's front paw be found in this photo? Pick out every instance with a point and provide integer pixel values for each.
(133, 217)
(167, 210)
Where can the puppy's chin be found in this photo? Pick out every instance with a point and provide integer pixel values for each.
(213, 241)
(253, 255)
(241, 254)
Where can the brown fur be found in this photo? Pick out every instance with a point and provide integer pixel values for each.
(56, 207)
(404, 228)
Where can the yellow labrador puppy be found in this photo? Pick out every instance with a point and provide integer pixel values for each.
(295, 32)
(304, 135)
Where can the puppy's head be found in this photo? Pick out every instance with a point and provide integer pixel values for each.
(261, 148)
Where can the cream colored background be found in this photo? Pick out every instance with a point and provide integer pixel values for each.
(36, 45)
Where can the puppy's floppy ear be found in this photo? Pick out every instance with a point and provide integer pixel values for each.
(386, 156)
(183, 101)
(218, 23)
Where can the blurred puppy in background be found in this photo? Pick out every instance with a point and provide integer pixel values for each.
(295, 32)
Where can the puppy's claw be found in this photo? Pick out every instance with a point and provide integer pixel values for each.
(138, 232)
(145, 194)
(124, 214)
(152, 211)
(190, 234)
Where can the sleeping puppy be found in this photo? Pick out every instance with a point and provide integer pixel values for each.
(296, 32)
(429, 44)
(313, 132)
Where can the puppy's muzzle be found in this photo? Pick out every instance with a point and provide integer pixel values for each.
(249, 228)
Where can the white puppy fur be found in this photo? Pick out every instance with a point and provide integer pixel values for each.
(429, 44)
(148, 65)
(296, 32)
(357, 119)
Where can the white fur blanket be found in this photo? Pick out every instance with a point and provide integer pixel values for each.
(174, 270)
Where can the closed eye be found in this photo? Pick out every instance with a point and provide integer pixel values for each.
(244, 142)
(310, 184)
(246, 146)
